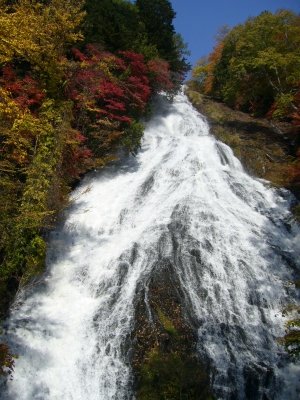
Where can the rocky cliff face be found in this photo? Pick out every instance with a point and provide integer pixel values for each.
(165, 361)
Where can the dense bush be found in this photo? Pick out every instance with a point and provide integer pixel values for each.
(255, 67)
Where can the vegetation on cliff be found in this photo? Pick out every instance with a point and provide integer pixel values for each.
(255, 66)
(75, 78)
(164, 359)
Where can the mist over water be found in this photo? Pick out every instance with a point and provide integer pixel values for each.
(185, 198)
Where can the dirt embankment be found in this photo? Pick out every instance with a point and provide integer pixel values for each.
(265, 148)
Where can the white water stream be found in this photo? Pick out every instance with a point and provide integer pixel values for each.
(185, 198)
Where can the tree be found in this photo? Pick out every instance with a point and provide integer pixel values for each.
(157, 16)
(39, 34)
(256, 66)
(117, 26)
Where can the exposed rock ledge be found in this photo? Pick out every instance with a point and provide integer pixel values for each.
(164, 360)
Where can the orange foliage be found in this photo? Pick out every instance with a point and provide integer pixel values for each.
(214, 58)
(25, 91)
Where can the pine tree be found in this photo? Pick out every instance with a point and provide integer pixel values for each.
(158, 16)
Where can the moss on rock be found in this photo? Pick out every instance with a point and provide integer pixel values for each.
(165, 361)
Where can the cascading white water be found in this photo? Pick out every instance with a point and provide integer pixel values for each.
(185, 198)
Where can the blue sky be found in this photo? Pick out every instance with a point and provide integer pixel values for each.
(198, 21)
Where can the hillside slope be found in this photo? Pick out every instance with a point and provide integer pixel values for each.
(266, 148)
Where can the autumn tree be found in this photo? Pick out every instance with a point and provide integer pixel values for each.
(39, 34)
(255, 67)
(35, 123)
(110, 93)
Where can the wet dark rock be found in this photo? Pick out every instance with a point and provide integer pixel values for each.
(256, 378)
(164, 360)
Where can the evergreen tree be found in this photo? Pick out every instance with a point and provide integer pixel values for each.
(157, 16)
(115, 24)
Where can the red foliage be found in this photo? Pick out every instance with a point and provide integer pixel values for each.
(25, 91)
(137, 85)
(138, 91)
(78, 55)
(111, 98)
(104, 86)
(76, 155)
(93, 88)
(109, 89)
(160, 73)
(135, 61)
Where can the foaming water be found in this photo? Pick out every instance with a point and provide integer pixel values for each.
(185, 198)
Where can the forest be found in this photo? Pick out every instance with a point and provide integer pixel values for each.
(75, 79)
(254, 66)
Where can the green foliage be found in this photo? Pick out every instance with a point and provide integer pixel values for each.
(157, 16)
(132, 136)
(172, 376)
(145, 27)
(258, 69)
(166, 323)
(284, 103)
(25, 250)
(117, 26)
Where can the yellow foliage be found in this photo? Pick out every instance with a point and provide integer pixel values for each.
(214, 58)
(37, 32)
(19, 130)
(9, 110)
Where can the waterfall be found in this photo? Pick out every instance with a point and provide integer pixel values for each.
(184, 198)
